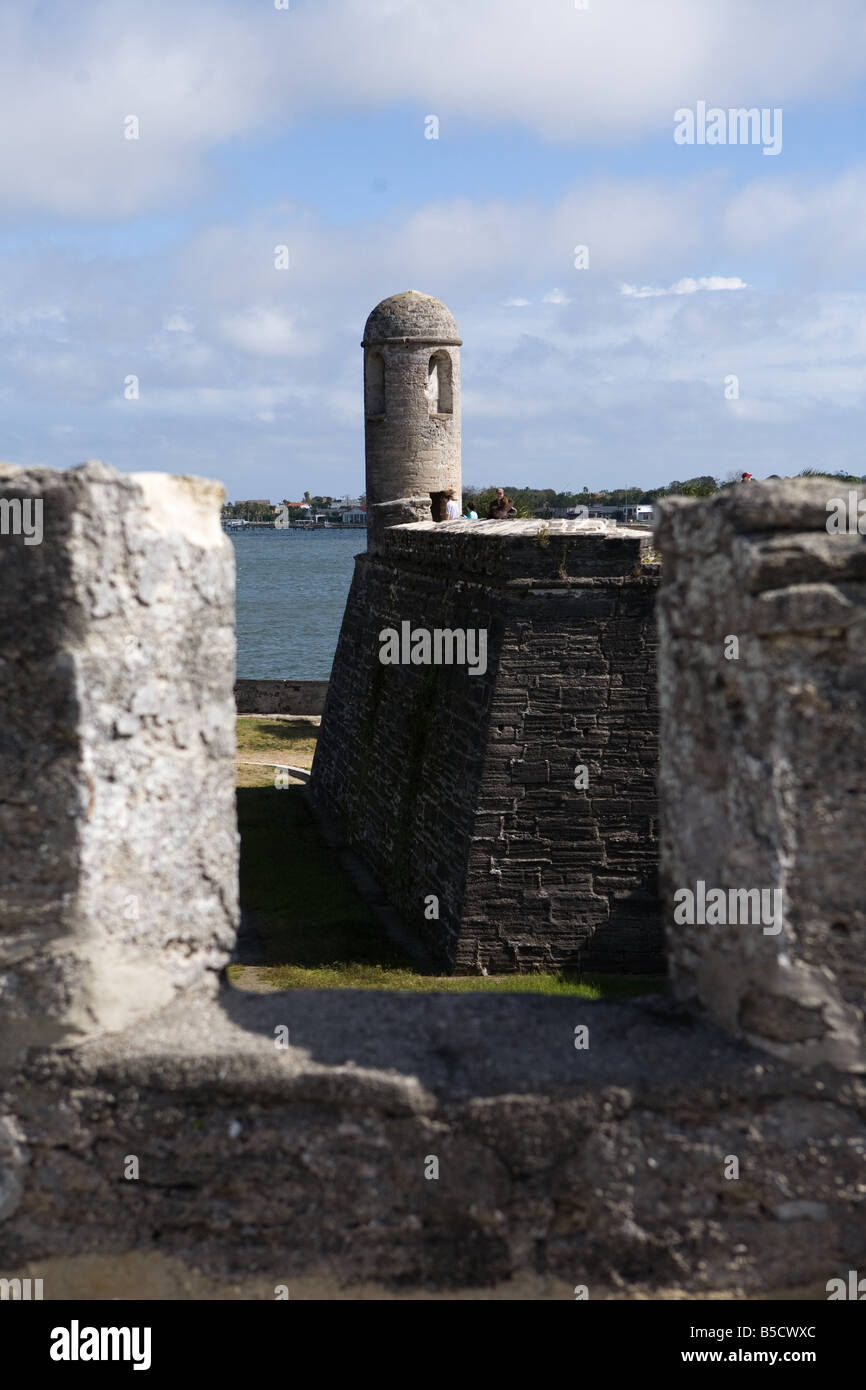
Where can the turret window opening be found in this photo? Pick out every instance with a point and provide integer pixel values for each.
(439, 393)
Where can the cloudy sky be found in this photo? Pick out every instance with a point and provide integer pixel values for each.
(307, 127)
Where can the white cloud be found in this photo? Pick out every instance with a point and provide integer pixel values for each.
(686, 286)
(13, 320)
(719, 282)
(824, 224)
(215, 71)
(265, 332)
(515, 303)
(555, 297)
(239, 404)
(267, 367)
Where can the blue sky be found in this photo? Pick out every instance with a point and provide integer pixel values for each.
(257, 127)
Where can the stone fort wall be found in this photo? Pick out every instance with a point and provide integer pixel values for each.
(606, 1166)
(280, 696)
(118, 845)
(763, 680)
(462, 787)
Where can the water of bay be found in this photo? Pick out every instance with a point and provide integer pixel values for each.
(292, 587)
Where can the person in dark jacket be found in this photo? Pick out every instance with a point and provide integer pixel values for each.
(501, 507)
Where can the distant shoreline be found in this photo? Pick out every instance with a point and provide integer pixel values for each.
(293, 526)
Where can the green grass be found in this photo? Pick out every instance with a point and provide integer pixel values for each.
(306, 910)
(379, 977)
(315, 931)
(292, 740)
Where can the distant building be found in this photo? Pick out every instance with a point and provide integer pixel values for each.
(357, 517)
(565, 513)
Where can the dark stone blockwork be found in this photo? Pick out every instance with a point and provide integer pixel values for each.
(463, 786)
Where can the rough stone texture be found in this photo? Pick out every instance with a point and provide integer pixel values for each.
(414, 316)
(763, 774)
(604, 1166)
(462, 786)
(280, 697)
(399, 511)
(412, 447)
(118, 848)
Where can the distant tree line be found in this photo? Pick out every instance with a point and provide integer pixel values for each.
(248, 511)
(530, 501)
(261, 510)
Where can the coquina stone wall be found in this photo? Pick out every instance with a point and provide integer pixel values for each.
(287, 1140)
(763, 776)
(118, 847)
(607, 1167)
(466, 789)
(411, 409)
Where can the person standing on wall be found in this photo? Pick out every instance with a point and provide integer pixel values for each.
(501, 507)
(452, 508)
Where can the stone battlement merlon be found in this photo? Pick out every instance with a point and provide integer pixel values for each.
(762, 621)
(775, 534)
(528, 550)
(118, 846)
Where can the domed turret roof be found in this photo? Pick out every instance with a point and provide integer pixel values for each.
(411, 316)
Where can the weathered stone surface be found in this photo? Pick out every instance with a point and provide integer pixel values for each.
(118, 849)
(412, 407)
(462, 787)
(397, 512)
(763, 773)
(604, 1166)
(280, 697)
(411, 317)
